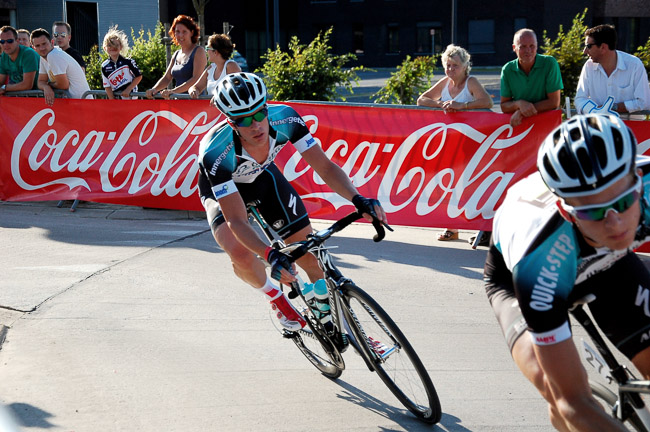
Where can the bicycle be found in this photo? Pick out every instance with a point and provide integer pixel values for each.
(627, 406)
(356, 320)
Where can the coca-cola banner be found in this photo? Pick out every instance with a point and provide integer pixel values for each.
(427, 168)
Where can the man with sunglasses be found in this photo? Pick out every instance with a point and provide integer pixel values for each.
(236, 168)
(611, 81)
(568, 230)
(17, 63)
(61, 37)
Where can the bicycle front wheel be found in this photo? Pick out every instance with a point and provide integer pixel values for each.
(609, 401)
(390, 354)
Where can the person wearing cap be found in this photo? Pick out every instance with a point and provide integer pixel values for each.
(568, 230)
(237, 167)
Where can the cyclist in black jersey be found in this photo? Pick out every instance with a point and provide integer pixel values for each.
(236, 168)
(568, 230)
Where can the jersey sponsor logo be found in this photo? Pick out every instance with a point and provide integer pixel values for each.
(310, 142)
(643, 300)
(220, 158)
(278, 224)
(645, 336)
(543, 340)
(292, 204)
(223, 190)
(288, 120)
(543, 291)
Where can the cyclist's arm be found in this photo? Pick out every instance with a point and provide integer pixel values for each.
(234, 211)
(335, 177)
(570, 388)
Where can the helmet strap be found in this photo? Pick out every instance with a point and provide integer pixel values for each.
(565, 214)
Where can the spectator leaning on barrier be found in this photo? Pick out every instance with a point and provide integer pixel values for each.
(57, 69)
(611, 81)
(187, 64)
(457, 91)
(119, 74)
(61, 31)
(531, 83)
(220, 49)
(17, 63)
(23, 37)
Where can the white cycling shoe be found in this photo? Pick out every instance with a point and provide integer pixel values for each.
(286, 314)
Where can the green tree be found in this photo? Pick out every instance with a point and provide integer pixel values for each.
(148, 51)
(412, 78)
(567, 48)
(307, 72)
(643, 52)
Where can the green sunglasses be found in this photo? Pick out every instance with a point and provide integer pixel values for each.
(599, 212)
(248, 120)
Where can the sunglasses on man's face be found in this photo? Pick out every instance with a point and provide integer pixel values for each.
(248, 120)
(64, 34)
(589, 45)
(4, 41)
(599, 212)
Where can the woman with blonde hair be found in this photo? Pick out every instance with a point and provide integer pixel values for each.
(457, 91)
(119, 73)
(220, 49)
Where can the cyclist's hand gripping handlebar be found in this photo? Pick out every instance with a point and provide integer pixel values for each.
(367, 205)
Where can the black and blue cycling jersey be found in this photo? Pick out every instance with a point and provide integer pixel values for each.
(545, 262)
(226, 168)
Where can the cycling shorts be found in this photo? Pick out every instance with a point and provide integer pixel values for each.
(277, 201)
(621, 308)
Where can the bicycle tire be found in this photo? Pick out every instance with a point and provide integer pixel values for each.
(609, 398)
(399, 367)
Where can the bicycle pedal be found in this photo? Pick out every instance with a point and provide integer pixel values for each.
(289, 334)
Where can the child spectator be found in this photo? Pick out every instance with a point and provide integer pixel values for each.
(119, 73)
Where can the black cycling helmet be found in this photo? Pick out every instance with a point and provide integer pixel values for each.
(586, 155)
(239, 94)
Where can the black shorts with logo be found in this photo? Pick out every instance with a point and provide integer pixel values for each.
(621, 308)
(277, 201)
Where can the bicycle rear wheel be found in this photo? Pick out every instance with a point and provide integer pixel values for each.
(390, 354)
(609, 401)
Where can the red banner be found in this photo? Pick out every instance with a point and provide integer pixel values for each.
(427, 168)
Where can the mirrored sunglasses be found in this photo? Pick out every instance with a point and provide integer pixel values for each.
(4, 41)
(64, 34)
(248, 120)
(599, 212)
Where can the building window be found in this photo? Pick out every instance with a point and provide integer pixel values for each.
(428, 38)
(357, 38)
(393, 38)
(481, 36)
(520, 23)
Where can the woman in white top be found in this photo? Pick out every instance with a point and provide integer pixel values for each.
(220, 48)
(457, 91)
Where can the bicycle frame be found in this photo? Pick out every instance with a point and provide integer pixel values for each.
(335, 280)
(603, 360)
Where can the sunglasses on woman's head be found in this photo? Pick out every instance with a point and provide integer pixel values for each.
(598, 212)
(248, 120)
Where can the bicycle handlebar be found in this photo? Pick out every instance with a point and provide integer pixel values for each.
(299, 249)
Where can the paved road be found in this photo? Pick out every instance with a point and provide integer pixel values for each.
(125, 319)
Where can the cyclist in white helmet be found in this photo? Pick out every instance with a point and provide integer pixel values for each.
(561, 233)
(236, 168)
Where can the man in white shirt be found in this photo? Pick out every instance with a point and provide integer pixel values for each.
(611, 81)
(57, 70)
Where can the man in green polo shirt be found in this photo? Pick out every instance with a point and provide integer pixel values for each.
(531, 83)
(19, 63)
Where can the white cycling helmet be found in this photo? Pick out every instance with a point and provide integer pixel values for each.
(586, 154)
(239, 94)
